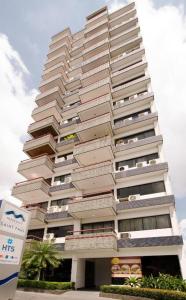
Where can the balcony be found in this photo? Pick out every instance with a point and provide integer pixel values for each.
(59, 189)
(130, 124)
(100, 15)
(95, 75)
(60, 37)
(66, 144)
(131, 87)
(94, 152)
(95, 90)
(70, 109)
(83, 241)
(94, 178)
(96, 49)
(133, 103)
(125, 47)
(123, 26)
(96, 38)
(125, 36)
(71, 96)
(122, 15)
(94, 108)
(96, 27)
(127, 58)
(139, 145)
(51, 109)
(129, 73)
(41, 166)
(40, 146)
(66, 40)
(95, 206)
(60, 68)
(52, 82)
(94, 128)
(46, 126)
(145, 171)
(68, 164)
(60, 49)
(37, 216)
(67, 126)
(56, 60)
(73, 83)
(95, 61)
(50, 95)
(31, 191)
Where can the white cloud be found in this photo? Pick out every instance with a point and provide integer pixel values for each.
(164, 37)
(17, 102)
(182, 226)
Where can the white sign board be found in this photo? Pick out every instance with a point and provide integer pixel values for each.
(10, 250)
(14, 220)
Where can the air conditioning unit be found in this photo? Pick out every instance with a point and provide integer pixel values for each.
(141, 164)
(143, 114)
(54, 209)
(133, 97)
(153, 162)
(125, 235)
(132, 140)
(57, 183)
(120, 142)
(122, 168)
(134, 197)
(64, 208)
(68, 180)
(128, 119)
(49, 236)
(65, 121)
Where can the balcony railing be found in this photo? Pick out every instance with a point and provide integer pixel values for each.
(47, 110)
(104, 239)
(42, 145)
(46, 126)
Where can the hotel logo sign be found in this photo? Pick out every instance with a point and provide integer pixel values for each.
(10, 250)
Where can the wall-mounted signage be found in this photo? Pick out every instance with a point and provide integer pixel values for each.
(10, 250)
(124, 267)
(13, 220)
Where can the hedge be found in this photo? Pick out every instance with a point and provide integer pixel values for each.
(46, 285)
(155, 294)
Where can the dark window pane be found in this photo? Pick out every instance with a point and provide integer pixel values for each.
(149, 223)
(163, 221)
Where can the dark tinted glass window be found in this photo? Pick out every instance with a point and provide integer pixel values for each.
(60, 202)
(133, 116)
(132, 162)
(36, 233)
(98, 226)
(60, 231)
(140, 136)
(144, 223)
(144, 189)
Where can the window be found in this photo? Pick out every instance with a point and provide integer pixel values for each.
(64, 157)
(36, 233)
(129, 80)
(61, 231)
(132, 162)
(144, 223)
(62, 178)
(140, 136)
(98, 226)
(144, 189)
(60, 202)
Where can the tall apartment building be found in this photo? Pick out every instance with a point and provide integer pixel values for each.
(96, 180)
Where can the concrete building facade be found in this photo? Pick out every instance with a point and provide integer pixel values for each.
(96, 180)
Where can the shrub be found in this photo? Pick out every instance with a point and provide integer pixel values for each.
(155, 294)
(46, 285)
(133, 282)
(164, 281)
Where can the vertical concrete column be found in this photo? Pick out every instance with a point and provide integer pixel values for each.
(182, 261)
(167, 184)
(174, 222)
(78, 272)
(77, 226)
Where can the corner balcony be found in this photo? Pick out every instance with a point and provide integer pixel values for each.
(152, 143)
(94, 152)
(51, 109)
(60, 68)
(95, 75)
(123, 26)
(129, 72)
(70, 109)
(133, 103)
(67, 126)
(37, 216)
(60, 49)
(95, 90)
(94, 128)
(52, 82)
(95, 206)
(99, 17)
(94, 108)
(41, 166)
(125, 47)
(60, 37)
(46, 126)
(61, 165)
(49, 96)
(94, 178)
(40, 146)
(131, 87)
(145, 171)
(122, 15)
(61, 188)
(96, 49)
(95, 61)
(125, 36)
(56, 60)
(85, 240)
(130, 124)
(31, 191)
(96, 27)
(127, 58)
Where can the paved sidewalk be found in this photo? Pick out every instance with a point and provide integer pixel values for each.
(71, 295)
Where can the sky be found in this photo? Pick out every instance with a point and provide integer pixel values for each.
(25, 31)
